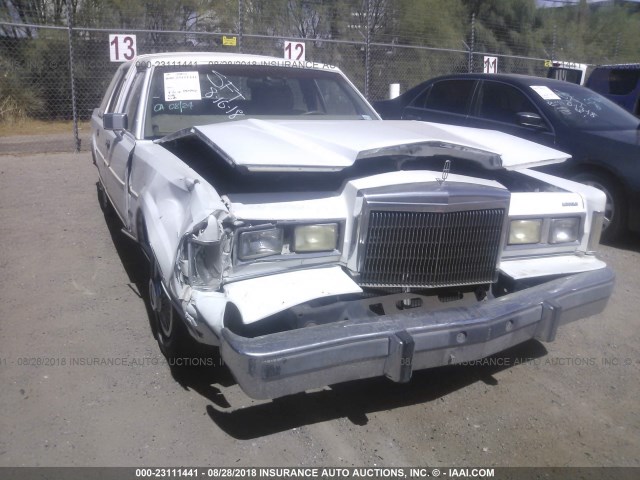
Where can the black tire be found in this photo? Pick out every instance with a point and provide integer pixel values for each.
(171, 333)
(616, 207)
(175, 342)
(103, 200)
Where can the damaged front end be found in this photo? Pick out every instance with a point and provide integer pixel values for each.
(378, 263)
(394, 273)
(204, 252)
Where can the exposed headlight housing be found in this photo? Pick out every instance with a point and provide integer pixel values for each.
(522, 232)
(205, 251)
(260, 243)
(564, 230)
(205, 266)
(315, 238)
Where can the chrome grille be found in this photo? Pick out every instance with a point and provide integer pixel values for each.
(432, 249)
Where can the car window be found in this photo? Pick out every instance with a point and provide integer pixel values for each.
(421, 100)
(452, 96)
(181, 97)
(566, 74)
(623, 81)
(334, 98)
(113, 92)
(132, 101)
(502, 103)
(582, 108)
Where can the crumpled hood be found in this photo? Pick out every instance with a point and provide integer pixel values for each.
(331, 145)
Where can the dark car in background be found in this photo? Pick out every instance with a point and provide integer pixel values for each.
(619, 83)
(602, 138)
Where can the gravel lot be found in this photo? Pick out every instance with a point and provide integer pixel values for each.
(84, 384)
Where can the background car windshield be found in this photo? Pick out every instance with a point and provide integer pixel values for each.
(584, 109)
(181, 97)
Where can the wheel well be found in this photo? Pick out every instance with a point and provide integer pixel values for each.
(141, 229)
(599, 172)
(143, 239)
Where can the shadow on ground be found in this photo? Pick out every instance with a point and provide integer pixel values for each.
(355, 400)
(630, 241)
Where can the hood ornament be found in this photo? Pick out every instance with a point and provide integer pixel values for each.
(445, 172)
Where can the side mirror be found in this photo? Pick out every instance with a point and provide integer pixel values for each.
(532, 120)
(115, 121)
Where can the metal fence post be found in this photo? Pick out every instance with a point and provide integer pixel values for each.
(367, 51)
(74, 107)
(473, 41)
(240, 24)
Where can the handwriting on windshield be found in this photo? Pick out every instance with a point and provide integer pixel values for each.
(220, 88)
(179, 106)
(568, 106)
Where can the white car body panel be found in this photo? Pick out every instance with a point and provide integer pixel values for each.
(548, 266)
(329, 145)
(261, 297)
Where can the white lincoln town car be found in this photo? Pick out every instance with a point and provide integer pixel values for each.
(313, 243)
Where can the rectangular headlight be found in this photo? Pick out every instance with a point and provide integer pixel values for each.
(260, 243)
(525, 231)
(315, 238)
(564, 230)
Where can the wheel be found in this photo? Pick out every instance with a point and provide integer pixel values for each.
(615, 211)
(103, 200)
(171, 334)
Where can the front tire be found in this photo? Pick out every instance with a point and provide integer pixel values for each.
(105, 203)
(615, 212)
(170, 332)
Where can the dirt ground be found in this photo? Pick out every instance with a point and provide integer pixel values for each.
(84, 384)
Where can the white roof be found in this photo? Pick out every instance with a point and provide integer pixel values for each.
(183, 58)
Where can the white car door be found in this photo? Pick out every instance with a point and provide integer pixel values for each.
(101, 138)
(119, 145)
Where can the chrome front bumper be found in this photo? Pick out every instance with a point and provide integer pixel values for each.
(394, 345)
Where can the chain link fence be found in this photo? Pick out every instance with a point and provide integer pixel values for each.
(39, 68)
(61, 72)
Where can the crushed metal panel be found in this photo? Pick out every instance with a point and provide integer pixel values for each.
(330, 145)
(559, 265)
(261, 297)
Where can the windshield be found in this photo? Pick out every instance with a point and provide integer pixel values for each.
(566, 74)
(584, 109)
(181, 97)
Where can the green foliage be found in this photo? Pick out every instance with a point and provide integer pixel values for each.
(431, 23)
(18, 99)
(442, 29)
(608, 34)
